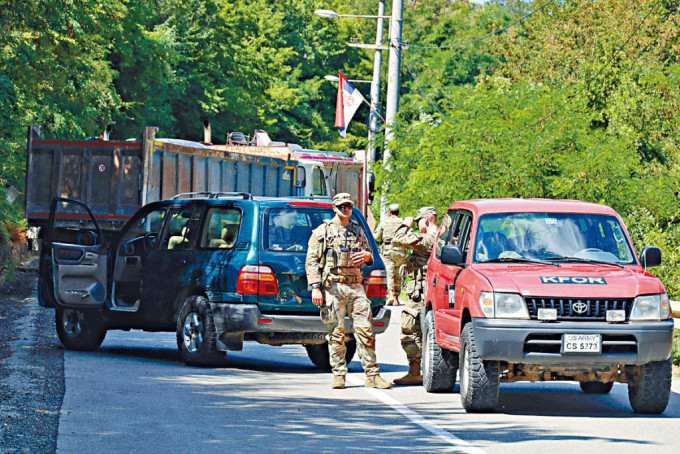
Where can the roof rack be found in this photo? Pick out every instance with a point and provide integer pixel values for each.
(214, 195)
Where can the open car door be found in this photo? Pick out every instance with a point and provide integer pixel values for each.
(78, 256)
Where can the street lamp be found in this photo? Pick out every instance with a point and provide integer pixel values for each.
(392, 105)
(356, 81)
(377, 62)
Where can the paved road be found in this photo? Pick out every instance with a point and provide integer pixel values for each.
(135, 394)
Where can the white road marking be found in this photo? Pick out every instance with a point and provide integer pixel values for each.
(416, 418)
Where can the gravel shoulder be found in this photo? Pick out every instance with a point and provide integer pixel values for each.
(31, 369)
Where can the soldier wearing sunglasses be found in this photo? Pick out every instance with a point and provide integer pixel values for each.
(336, 252)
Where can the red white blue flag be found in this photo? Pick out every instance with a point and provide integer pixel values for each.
(348, 101)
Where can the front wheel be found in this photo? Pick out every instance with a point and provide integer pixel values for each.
(196, 335)
(651, 390)
(479, 379)
(79, 329)
(320, 356)
(439, 364)
(596, 387)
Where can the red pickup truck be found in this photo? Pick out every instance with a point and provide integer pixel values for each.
(540, 290)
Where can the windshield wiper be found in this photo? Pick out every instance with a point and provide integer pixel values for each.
(580, 260)
(521, 260)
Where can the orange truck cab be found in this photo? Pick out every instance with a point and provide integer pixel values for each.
(540, 290)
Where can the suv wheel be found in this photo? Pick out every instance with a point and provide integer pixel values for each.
(319, 355)
(596, 387)
(439, 364)
(479, 379)
(650, 393)
(79, 329)
(196, 336)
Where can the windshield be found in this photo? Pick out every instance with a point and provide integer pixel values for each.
(551, 236)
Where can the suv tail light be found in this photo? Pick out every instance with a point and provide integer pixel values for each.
(256, 280)
(377, 284)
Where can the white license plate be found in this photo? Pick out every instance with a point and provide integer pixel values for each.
(581, 343)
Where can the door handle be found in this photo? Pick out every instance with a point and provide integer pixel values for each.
(434, 282)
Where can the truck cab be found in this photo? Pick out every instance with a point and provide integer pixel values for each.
(541, 290)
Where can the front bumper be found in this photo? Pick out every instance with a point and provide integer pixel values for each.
(534, 342)
(232, 321)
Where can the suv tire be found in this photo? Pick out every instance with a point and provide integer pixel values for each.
(320, 356)
(653, 388)
(196, 336)
(81, 330)
(439, 364)
(596, 387)
(479, 379)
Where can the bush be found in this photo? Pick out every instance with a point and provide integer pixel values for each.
(646, 231)
(675, 352)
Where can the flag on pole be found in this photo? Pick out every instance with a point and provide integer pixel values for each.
(348, 101)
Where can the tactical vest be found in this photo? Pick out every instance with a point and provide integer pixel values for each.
(339, 245)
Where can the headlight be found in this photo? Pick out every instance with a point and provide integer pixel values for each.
(650, 307)
(503, 305)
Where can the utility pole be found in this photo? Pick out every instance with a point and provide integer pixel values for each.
(375, 84)
(392, 106)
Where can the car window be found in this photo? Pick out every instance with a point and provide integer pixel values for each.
(450, 223)
(142, 234)
(222, 226)
(318, 183)
(288, 229)
(181, 228)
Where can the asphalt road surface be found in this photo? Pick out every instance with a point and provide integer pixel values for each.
(134, 394)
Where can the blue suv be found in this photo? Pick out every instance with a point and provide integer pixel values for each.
(216, 268)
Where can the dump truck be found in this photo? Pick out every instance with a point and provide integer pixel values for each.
(116, 178)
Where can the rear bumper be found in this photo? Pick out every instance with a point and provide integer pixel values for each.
(232, 321)
(533, 342)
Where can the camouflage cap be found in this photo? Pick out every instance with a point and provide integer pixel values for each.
(394, 207)
(342, 198)
(425, 212)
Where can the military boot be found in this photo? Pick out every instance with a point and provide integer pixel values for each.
(413, 377)
(338, 382)
(376, 381)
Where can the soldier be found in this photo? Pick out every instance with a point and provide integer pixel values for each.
(337, 249)
(416, 268)
(393, 255)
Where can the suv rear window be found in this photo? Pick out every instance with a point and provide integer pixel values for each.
(289, 229)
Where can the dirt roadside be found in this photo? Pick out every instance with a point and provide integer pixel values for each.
(31, 369)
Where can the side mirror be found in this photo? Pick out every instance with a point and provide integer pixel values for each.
(451, 255)
(301, 178)
(650, 257)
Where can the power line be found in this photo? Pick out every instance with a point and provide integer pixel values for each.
(496, 32)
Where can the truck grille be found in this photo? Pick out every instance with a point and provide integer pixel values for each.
(578, 309)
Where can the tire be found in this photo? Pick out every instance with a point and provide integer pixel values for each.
(196, 336)
(79, 329)
(439, 365)
(479, 379)
(596, 387)
(652, 391)
(320, 356)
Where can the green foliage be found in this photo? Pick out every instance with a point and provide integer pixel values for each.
(645, 230)
(675, 352)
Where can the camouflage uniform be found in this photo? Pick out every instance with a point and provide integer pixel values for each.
(420, 245)
(329, 263)
(393, 256)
